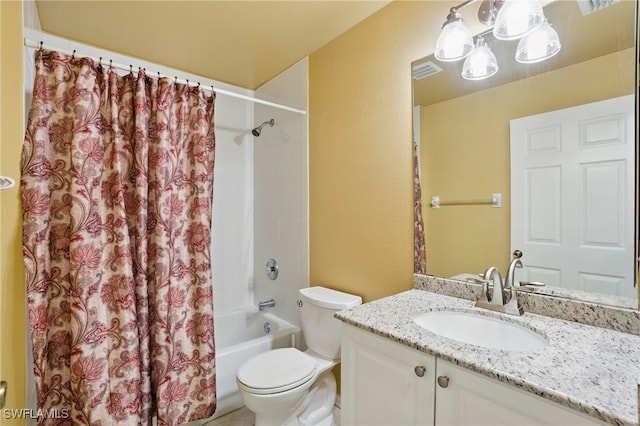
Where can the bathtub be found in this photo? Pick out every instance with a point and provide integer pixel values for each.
(240, 335)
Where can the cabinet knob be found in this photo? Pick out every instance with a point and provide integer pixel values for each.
(443, 381)
(419, 370)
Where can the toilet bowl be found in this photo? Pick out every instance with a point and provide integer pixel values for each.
(290, 387)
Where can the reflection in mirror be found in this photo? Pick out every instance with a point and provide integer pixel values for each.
(464, 133)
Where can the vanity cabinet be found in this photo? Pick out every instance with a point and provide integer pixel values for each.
(464, 397)
(386, 383)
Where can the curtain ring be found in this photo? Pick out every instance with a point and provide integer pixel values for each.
(110, 64)
(73, 55)
(175, 81)
(41, 43)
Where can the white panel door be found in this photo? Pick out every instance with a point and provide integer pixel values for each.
(572, 196)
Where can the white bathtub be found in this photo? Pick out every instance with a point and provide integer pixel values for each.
(239, 336)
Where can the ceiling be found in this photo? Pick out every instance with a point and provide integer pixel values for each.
(583, 37)
(240, 42)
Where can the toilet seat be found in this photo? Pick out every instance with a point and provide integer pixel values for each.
(276, 371)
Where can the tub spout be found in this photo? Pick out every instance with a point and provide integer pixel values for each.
(266, 304)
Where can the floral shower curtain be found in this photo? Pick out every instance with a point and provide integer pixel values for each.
(117, 179)
(419, 245)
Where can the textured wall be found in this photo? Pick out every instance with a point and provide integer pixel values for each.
(360, 142)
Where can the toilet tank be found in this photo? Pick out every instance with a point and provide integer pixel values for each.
(321, 330)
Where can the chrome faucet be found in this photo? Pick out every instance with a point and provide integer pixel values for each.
(510, 281)
(493, 274)
(497, 302)
(266, 304)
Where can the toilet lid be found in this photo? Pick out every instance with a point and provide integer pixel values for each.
(277, 370)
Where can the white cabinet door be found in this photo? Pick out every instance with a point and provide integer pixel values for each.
(383, 383)
(572, 196)
(475, 400)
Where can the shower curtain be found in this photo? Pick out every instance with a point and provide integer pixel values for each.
(117, 179)
(419, 245)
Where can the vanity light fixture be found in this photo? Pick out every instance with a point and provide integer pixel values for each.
(511, 20)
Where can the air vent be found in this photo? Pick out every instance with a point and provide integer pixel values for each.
(590, 6)
(425, 69)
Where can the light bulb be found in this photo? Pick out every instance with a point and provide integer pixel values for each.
(516, 18)
(455, 42)
(540, 44)
(481, 63)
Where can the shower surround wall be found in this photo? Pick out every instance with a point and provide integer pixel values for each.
(232, 233)
(261, 199)
(280, 211)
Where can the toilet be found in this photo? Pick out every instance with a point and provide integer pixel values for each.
(288, 387)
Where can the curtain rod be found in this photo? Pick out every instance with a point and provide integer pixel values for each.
(41, 45)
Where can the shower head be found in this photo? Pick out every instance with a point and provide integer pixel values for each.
(257, 130)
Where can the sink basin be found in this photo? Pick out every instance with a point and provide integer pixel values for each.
(481, 330)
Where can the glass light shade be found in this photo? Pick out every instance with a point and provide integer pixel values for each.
(516, 18)
(480, 64)
(455, 42)
(538, 45)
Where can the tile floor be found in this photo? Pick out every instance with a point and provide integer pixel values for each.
(240, 417)
(244, 417)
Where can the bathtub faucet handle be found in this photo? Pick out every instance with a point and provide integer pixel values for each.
(299, 303)
(272, 269)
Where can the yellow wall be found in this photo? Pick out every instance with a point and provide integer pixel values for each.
(360, 150)
(12, 296)
(465, 155)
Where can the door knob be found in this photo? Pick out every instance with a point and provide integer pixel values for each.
(443, 381)
(419, 370)
(3, 393)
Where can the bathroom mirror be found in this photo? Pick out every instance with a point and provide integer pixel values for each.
(462, 130)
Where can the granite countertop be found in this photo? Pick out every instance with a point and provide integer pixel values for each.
(589, 369)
